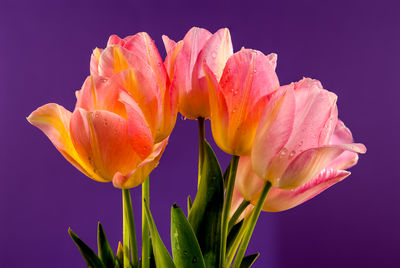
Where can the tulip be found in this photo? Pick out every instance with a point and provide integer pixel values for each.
(135, 64)
(186, 71)
(107, 136)
(238, 100)
(300, 147)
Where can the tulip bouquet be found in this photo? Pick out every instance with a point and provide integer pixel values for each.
(287, 143)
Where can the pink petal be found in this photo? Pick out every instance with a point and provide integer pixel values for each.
(279, 199)
(247, 182)
(314, 107)
(219, 111)
(142, 171)
(272, 58)
(100, 93)
(312, 161)
(54, 121)
(103, 141)
(343, 135)
(143, 46)
(143, 89)
(274, 130)
(94, 61)
(193, 102)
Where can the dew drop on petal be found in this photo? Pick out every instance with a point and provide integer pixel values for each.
(292, 153)
(284, 152)
(213, 54)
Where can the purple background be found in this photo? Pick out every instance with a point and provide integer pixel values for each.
(352, 47)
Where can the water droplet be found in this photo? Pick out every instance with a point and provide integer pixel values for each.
(255, 70)
(194, 260)
(103, 80)
(96, 115)
(300, 144)
(185, 252)
(234, 110)
(183, 118)
(284, 152)
(214, 55)
(228, 70)
(292, 153)
(235, 92)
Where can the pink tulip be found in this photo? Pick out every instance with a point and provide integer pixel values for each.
(186, 71)
(300, 147)
(134, 62)
(238, 100)
(124, 114)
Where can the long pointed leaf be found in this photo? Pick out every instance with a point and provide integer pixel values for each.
(161, 254)
(185, 248)
(205, 214)
(91, 259)
(104, 249)
(248, 261)
(119, 260)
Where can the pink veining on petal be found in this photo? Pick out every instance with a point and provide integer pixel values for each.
(280, 199)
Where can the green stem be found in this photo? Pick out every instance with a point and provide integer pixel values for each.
(226, 208)
(232, 251)
(252, 223)
(129, 233)
(200, 121)
(145, 226)
(237, 214)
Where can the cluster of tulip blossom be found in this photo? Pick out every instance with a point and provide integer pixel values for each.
(287, 143)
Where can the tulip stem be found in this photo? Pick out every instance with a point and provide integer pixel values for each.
(250, 226)
(201, 125)
(226, 208)
(145, 226)
(129, 233)
(237, 214)
(236, 242)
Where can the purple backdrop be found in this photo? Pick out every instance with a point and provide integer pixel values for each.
(352, 47)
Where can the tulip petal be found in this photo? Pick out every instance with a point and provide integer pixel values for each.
(100, 93)
(314, 107)
(219, 110)
(247, 182)
(143, 89)
(173, 50)
(193, 103)
(343, 135)
(103, 141)
(272, 58)
(279, 199)
(274, 130)
(143, 46)
(94, 61)
(215, 53)
(142, 171)
(115, 59)
(54, 121)
(310, 162)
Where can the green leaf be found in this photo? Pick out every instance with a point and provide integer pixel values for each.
(248, 261)
(205, 214)
(91, 259)
(226, 174)
(104, 249)
(161, 254)
(185, 248)
(189, 204)
(120, 256)
(233, 235)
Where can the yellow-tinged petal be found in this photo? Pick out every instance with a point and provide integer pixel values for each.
(54, 121)
(142, 171)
